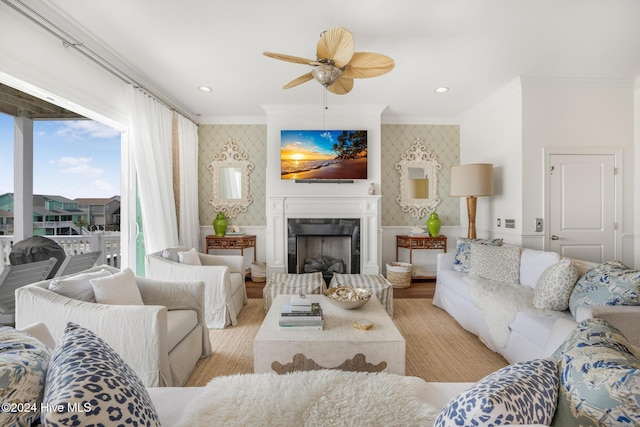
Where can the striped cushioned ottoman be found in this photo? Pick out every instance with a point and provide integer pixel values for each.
(376, 283)
(283, 283)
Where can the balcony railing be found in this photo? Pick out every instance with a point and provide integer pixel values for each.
(108, 243)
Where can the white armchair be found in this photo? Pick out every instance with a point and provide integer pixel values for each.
(225, 292)
(161, 340)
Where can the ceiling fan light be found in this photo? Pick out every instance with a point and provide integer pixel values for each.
(326, 74)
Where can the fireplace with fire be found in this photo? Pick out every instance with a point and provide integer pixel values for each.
(326, 245)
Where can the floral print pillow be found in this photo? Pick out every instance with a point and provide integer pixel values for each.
(599, 380)
(23, 369)
(610, 283)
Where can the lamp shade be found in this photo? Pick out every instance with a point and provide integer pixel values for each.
(474, 179)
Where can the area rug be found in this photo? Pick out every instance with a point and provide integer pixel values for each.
(313, 398)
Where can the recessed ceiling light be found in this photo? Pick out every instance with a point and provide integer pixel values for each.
(441, 90)
(205, 89)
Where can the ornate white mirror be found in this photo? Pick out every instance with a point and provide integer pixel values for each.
(418, 171)
(230, 170)
(230, 183)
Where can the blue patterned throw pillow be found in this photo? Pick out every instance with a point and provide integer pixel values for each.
(463, 251)
(521, 393)
(599, 378)
(23, 369)
(88, 383)
(610, 283)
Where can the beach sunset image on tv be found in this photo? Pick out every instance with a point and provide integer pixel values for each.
(323, 154)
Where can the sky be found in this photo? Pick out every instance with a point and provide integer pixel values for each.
(307, 144)
(71, 158)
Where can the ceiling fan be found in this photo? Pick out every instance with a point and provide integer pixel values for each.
(336, 63)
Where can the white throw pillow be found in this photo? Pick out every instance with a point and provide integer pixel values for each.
(118, 289)
(172, 253)
(554, 287)
(189, 257)
(533, 263)
(78, 286)
(499, 263)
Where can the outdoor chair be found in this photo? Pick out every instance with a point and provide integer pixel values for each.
(76, 263)
(16, 276)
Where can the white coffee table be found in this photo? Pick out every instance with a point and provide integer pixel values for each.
(339, 345)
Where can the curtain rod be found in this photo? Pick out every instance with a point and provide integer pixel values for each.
(69, 41)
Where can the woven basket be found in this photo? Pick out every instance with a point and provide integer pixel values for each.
(399, 274)
(259, 272)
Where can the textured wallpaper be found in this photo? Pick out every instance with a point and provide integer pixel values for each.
(252, 139)
(442, 140)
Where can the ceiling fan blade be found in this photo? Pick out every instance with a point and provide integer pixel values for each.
(368, 64)
(336, 44)
(341, 86)
(290, 58)
(298, 81)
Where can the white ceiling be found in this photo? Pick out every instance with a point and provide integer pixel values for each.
(472, 46)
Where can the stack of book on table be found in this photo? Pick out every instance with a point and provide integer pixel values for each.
(300, 313)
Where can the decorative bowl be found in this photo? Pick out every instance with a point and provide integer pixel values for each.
(347, 297)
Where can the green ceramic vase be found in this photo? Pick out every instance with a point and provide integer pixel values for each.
(433, 225)
(220, 225)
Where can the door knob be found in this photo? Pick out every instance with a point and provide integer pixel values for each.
(554, 237)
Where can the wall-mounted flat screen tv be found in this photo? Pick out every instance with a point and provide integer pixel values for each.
(323, 154)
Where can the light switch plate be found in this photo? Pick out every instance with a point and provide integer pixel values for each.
(538, 224)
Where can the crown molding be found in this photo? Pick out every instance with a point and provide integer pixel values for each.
(333, 110)
(574, 82)
(231, 120)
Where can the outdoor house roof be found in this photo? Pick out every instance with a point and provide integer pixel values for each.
(95, 201)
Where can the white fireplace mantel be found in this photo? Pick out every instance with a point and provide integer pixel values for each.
(281, 208)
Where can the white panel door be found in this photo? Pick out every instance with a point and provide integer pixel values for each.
(582, 202)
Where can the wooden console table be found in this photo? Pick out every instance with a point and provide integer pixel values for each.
(240, 242)
(420, 242)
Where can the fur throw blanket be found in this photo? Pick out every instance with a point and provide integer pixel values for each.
(499, 303)
(312, 398)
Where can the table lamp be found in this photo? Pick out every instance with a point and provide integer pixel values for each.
(471, 181)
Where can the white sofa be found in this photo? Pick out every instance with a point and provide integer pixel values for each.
(528, 332)
(223, 276)
(102, 389)
(172, 403)
(161, 340)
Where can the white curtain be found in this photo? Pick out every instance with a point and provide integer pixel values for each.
(151, 125)
(189, 215)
